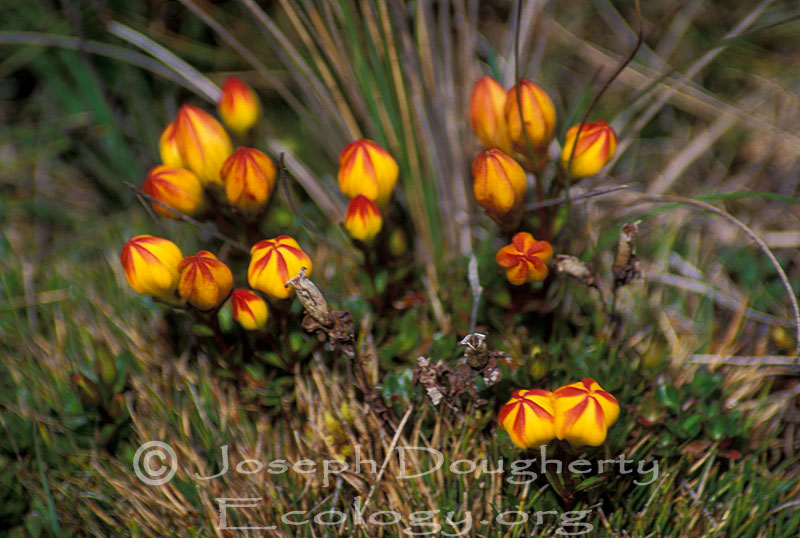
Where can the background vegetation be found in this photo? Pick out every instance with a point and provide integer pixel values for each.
(699, 351)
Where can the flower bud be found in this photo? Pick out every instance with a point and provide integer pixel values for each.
(249, 178)
(499, 185)
(363, 220)
(538, 113)
(368, 169)
(238, 105)
(117, 408)
(584, 412)
(177, 188)
(525, 259)
(151, 265)
(203, 143)
(274, 262)
(205, 281)
(487, 114)
(596, 146)
(88, 391)
(249, 309)
(528, 418)
(168, 147)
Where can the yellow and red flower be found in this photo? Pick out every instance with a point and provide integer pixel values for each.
(499, 185)
(368, 169)
(525, 259)
(528, 418)
(203, 143)
(538, 113)
(487, 114)
(238, 105)
(249, 178)
(168, 147)
(177, 188)
(151, 265)
(249, 309)
(273, 263)
(584, 412)
(363, 220)
(595, 147)
(205, 281)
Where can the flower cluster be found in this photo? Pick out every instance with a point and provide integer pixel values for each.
(579, 413)
(200, 172)
(367, 175)
(516, 128)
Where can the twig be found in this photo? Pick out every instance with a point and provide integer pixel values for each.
(186, 218)
(763, 360)
(572, 199)
(477, 290)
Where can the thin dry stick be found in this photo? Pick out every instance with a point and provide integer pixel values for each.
(584, 196)
(186, 218)
(392, 446)
(760, 242)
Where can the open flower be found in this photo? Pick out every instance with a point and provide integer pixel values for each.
(203, 143)
(584, 412)
(273, 263)
(525, 259)
(528, 418)
(363, 220)
(151, 265)
(249, 178)
(177, 188)
(205, 281)
(596, 146)
(487, 114)
(499, 186)
(368, 169)
(168, 147)
(249, 309)
(538, 113)
(238, 105)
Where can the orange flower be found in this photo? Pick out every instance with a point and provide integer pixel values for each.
(363, 220)
(539, 116)
(528, 418)
(584, 412)
(203, 143)
(249, 309)
(487, 114)
(205, 281)
(368, 169)
(525, 259)
(168, 147)
(238, 105)
(151, 265)
(249, 178)
(175, 187)
(499, 185)
(597, 144)
(274, 262)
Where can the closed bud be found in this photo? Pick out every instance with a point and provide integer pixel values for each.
(249, 178)
(584, 412)
(203, 143)
(249, 309)
(595, 147)
(525, 259)
(499, 186)
(177, 188)
(274, 262)
(368, 169)
(205, 281)
(363, 220)
(168, 147)
(87, 390)
(528, 418)
(238, 105)
(538, 116)
(487, 114)
(151, 265)
(117, 408)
